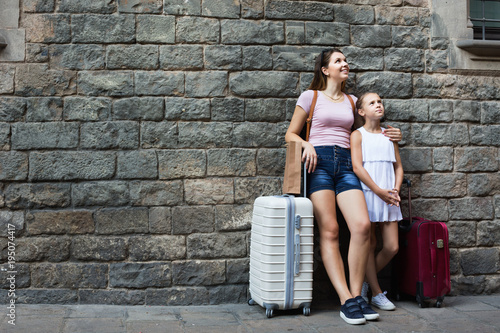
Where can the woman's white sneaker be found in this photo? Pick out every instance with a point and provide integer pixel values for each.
(381, 302)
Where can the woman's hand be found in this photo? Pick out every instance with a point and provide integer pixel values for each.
(391, 197)
(309, 156)
(393, 133)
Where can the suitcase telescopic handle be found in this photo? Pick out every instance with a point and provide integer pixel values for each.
(305, 180)
(410, 216)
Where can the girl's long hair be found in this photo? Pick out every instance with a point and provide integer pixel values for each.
(319, 79)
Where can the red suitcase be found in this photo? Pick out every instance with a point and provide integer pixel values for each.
(423, 260)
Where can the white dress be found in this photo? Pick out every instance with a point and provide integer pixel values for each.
(378, 159)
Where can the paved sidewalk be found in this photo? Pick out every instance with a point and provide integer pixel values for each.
(477, 314)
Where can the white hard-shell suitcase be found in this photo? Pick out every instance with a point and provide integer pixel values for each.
(281, 253)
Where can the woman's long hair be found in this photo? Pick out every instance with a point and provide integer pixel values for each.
(319, 79)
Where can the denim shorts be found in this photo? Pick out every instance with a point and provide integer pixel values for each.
(333, 171)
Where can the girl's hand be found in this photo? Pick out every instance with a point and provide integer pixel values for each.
(309, 156)
(393, 133)
(391, 197)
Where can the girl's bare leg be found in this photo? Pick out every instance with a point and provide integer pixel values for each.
(326, 216)
(353, 206)
(371, 267)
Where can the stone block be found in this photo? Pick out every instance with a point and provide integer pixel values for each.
(157, 248)
(252, 9)
(89, 28)
(440, 134)
(198, 273)
(37, 52)
(199, 30)
(295, 33)
(121, 221)
(141, 164)
(12, 108)
(488, 233)
(253, 134)
(7, 79)
(443, 159)
(441, 110)
(132, 57)
(371, 35)
(461, 233)
(86, 6)
(231, 162)
(228, 294)
(181, 57)
(252, 32)
(237, 270)
(38, 6)
(77, 56)
(13, 165)
(140, 275)
(206, 84)
(181, 7)
(387, 84)
(160, 220)
(110, 135)
(89, 248)
(264, 84)
(233, 217)
(31, 136)
(404, 110)
(10, 14)
(220, 8)
(432, 209)
(23, 278)
(490, 113)
(47, 28)
(106, 83)
(440, 43)
(467, 111)
(138, 108)
(329, 33)
(227, 109)
(47, 296)
(208, 191)
(205, 135)
(471, 209)
(69, 275)
(5, 136)
(87, 108)
(257, 57)
(40, 195)
(140, 6)
(191, 219)
(53, 249)
(404, 59)
(363, 59)
(13, 218)
(479, 261)
(59, 222)
(15, 51)
(397, 16)
(293, 10)
(215, 246)
(451, 185)
(436, 60)
(293, 58)
(44, 109)
(412, 37)
(468, 285)
(112, 297)
(178, 108)
(483, 184)
(353, 14)
(178, 296)
(159, 134)
(186, 163)
(39, 80)
(223, 57)
(156, 193)
(246, 190)
(472, 159)
(105, 193)
(155, 29)
(271, 162)
(159, 83)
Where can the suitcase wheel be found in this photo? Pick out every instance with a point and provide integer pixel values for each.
(269, 313)
(439, 302)
(251, 302)
(306, 311)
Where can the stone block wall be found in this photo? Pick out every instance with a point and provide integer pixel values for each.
(135, 135)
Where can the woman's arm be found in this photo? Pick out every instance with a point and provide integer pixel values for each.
(293, 134)
(357, 165)
(393, 133)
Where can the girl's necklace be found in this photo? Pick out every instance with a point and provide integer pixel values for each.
(333, 99)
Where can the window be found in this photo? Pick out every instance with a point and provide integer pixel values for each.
(485, 18)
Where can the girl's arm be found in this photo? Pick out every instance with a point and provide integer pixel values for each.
(357, 164)
(293, 134)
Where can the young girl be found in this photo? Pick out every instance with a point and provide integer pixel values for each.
(377, 164)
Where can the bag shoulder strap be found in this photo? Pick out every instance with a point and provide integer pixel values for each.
(311, 111)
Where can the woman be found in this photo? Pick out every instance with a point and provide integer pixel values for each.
(332, 181)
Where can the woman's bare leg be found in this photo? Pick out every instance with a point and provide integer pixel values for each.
(326, 216)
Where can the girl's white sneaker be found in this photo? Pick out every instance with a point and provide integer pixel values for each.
(382, 302)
